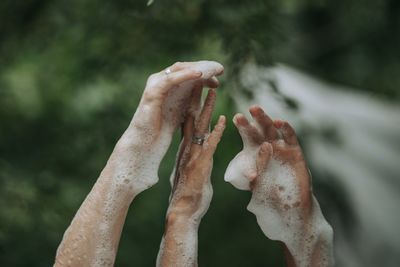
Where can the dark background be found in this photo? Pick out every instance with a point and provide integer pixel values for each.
(72, 73)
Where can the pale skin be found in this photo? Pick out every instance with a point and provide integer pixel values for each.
(191, 186)
(276, 139)
(93, 236)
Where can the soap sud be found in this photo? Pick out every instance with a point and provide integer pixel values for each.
(142, 173)
(132, 170)
(282, 220)
(240, 167)
(173, 111)
(186, 239)
(185, 251)
(206, 191)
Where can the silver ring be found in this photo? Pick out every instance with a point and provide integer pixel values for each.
(167, 71)
(198, 140)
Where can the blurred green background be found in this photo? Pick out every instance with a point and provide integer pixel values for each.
(72, 73)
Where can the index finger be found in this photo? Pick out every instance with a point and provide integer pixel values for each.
(203, 123)
(159, 84)
(215, 136)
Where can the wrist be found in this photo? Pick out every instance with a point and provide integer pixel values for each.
(314, 245)
(181, 220)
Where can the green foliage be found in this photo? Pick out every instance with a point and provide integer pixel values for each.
(72, 73)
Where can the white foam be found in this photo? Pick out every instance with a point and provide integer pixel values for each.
(184, 252)
(130, 170)
(173, 111)
(139, 170)
(186, 239)
(276, 203)
(240, 168)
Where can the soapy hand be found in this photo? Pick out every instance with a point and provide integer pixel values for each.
(92, 238)
(191, 185)
(161, 110)
(165, 98)
(275, 141)
(273, 167)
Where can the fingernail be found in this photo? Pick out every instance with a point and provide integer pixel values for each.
(278, 123)
(222, 119)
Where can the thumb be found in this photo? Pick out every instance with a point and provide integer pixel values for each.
(264, 156)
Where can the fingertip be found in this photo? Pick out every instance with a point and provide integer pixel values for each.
(279, 123)
(252, 175)
(240, 120)
(234, 119)
(221, 70)
(254, 108)
(213, 82)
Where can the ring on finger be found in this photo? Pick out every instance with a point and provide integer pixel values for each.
(198, 140)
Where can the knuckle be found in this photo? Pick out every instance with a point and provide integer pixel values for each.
(152, 80)
(152, 77)
(149, 96)
(177, 64)
(166, 80)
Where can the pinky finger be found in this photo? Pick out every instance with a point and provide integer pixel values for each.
(215, 136)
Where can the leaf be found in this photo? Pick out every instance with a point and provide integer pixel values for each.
(150, 2)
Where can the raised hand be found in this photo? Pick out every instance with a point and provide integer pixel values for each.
(191, 186)
(161, 110)
(273, 167)
(93, 236)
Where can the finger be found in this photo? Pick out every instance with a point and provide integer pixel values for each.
(212, 82)
(188, 127)
(263, 157)
(203, 123)
(184, 148)
(195, 99)
(215, 136)
(178, 66)
(264, 122)
(288, 133)
(249, 133)
(167, 81)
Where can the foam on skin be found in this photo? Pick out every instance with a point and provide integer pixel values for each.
(140, 169)
(240, 167)
(132, 168)
(276, 203)
(173, 111)
(186, 239)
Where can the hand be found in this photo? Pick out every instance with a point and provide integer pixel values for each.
(273, 167)
(161, 110)
(191, 186)
(93, 236)
(275, 143)
(166, 96)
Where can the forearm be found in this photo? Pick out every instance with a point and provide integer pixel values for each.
(94, 233)
(180, 242)
(321, 253)
(314, 246)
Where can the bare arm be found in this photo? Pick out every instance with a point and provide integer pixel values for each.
(93, 236)
(272, 166)
(191, 189)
